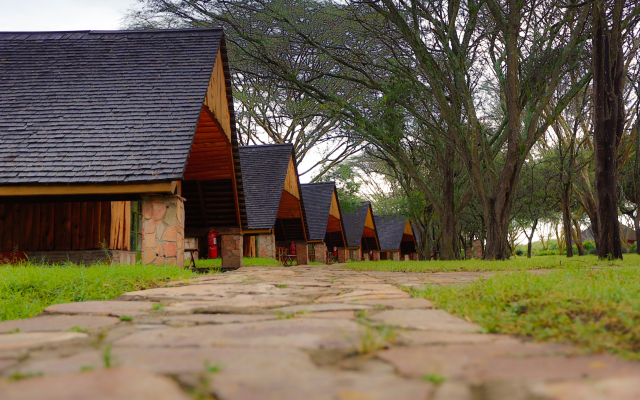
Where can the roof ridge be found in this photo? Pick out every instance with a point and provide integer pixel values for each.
(318, 183)
(98, 31)
(267, 145)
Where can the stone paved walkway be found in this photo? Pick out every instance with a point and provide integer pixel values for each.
(289, 333)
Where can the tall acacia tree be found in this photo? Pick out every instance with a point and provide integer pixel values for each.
(608, 118)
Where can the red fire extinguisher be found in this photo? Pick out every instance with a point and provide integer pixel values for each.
(292, 249)
(213, 244)
(335, 251)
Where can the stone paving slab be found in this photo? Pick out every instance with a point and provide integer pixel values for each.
(308, 332)
(112, 308)
(433, 320)
(296, 333)
(57, 323)
(37, 339)
(107, 384)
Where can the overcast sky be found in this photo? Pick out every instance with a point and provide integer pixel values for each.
(62, 15)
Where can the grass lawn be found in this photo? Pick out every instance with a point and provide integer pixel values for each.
(246, 261)
(25, 290)
(515, 264)
(596, 309)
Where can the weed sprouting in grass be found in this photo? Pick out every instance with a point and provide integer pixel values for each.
(27, 288)
(361, 314)
(373, 339)
(126, 318)
(18, 376)
(106, 356)
(434, 378)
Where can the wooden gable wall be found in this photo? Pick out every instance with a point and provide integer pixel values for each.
(216, 98)
(291, 180)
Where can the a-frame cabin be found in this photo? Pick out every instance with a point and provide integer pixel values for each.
(396, 237)
(106, 137)
(275, 208)
(326, 231)
(361, 232)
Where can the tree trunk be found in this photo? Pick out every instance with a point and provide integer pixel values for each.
(450, 247)
(566, 218)
(608, 121)
(497, 247)
(530, 238)
(577, 237)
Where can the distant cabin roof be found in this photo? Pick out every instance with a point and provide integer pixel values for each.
(317, 201)
(354, 224)
(390, 230)
(101, 106)
(264, 170)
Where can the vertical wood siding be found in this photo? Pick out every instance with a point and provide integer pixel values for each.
(65, 226)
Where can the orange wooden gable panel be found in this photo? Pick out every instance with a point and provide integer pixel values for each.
(291, 181)
(407, 229)
(289, 207)
(210, 156)
(216, 98)
(334, 224)
(369, 222)
(334, 210)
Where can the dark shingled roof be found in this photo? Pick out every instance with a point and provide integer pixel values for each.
(264, 169)
(390, 230)
(317, 198)
(101, 107)
(354, 224)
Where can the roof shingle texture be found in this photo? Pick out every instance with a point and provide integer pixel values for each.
(354, 224)
(317, 202)
(264, 170)
(101, 107)
(390, 230)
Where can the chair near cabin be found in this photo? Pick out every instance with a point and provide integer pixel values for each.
(330, 257)
(283, 256)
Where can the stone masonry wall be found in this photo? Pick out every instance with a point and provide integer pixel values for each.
(163, 230)
(266, 246)
(342, 255)
(376, 255)
(320, 250)
(395, 255)
(302, 253)
(231, 247)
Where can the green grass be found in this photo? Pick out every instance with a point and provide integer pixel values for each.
(514, 264)
(246, 261)
(26, 289)
(595, 309)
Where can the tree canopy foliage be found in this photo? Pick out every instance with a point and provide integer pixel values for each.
(478, 119)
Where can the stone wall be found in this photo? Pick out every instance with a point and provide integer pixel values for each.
(302, 253)
(266, 246)
(342, 255)
(163, 230)
(231, 247)
(395, 255)
(376, 255)
(477, 249)
(83, 256)
(320, 250)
